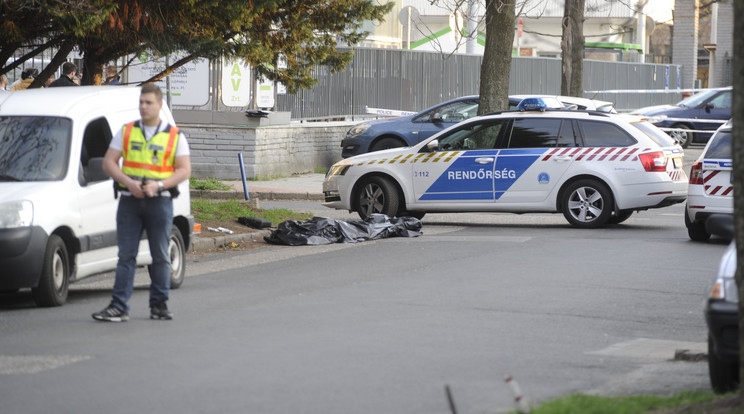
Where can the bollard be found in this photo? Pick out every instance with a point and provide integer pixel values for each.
(242, 175)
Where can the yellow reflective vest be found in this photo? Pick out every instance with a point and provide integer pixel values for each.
(152, 160)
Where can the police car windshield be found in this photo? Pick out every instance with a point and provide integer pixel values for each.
(657, 135)
(34, 148)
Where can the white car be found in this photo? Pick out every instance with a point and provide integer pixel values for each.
(57, 205)
(711, 189)
(594, 168)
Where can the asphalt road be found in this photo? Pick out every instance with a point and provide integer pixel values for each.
(383, 326)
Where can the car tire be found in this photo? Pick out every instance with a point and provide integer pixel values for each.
(415, 214)
(696, 231)
(386, 143)
(724, 376)
(376, 195)
(55, 275)
(177, 253)
(683, 137)
(620, 216)
(587, 204)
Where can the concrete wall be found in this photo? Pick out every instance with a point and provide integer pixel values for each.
(684, 40)
(268, 151)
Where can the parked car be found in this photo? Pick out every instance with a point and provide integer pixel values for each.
(595, 168)
(711, 189)
(722, 314)
(409, 130)
(57, 205)
(693, 119)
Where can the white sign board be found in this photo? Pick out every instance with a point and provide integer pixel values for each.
(265, 94)
(236, 84)
(189, 83)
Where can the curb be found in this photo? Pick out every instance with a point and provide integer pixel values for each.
(227, 195)
(202, 242)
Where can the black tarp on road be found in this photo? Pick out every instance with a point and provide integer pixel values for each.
(322, 230)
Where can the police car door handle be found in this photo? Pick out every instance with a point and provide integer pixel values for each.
(484, 160)
(562, 158)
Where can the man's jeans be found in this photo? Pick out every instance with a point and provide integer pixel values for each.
(155, 216)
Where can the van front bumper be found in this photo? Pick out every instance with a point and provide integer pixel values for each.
(21, 257)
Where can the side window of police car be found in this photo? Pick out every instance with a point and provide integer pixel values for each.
(96, 140)
(604, 134)
(542, 133)
(473, 137)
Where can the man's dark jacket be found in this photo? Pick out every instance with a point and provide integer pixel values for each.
(63, 80)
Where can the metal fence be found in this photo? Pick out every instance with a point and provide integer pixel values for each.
(415, 80)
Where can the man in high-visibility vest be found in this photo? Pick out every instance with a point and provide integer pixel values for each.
(155, 160)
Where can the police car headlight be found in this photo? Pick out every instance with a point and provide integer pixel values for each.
(337, 170)
(16, 214)
(357, 130)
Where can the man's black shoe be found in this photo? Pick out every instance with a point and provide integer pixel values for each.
(111, 314)
(160, 311)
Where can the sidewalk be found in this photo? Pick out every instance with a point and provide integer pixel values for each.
(299, 187)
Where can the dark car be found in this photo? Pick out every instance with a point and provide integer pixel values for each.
(409, 130)
(689, 120)
(722, 314)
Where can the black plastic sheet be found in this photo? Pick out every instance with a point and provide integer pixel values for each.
(322, 230)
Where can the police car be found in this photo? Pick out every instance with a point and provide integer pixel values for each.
(711, 189)
(595, 168)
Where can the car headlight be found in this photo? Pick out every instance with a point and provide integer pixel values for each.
(657, 119)
(725, 289)
(357, 130)
(15, 214)
(337, 170)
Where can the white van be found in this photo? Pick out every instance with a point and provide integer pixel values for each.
(57, 206)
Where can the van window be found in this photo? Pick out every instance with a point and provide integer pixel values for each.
(34, 148)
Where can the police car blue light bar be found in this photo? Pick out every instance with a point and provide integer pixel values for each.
(532, 104)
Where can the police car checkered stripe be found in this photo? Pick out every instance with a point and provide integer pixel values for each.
(597, 153)
(715, 190)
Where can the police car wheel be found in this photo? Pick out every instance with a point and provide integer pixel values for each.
(587, 204)
(55, 274)
(684, 138)
(415, 214)
(177, 252)
(376, 195)
(696, 231)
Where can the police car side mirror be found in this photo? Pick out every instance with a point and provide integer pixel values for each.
(94, 171)
(432, 146)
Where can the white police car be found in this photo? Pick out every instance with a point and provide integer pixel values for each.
(594, 168)
(711, 189)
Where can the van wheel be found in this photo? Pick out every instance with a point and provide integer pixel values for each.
(376, 195)
(177, 253)
(55, 275)
(587, 204)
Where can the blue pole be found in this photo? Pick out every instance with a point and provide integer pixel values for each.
(242, 175)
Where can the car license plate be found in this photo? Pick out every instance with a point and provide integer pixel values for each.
(677, 162)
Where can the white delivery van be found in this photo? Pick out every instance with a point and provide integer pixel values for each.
(57, 206)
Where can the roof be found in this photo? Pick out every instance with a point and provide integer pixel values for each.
(61, 101)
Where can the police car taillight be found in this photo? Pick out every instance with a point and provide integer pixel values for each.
(696, 173)
(654, 161)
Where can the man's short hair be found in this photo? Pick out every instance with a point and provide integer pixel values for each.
(68, 68)
(152, 88)
(111, 70)
(29, 73)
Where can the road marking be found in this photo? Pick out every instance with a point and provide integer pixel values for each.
(440, 238)
(33, 364)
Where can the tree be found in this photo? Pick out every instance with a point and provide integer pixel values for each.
(737, 141)
(494, 74)
(572, 48)
(262, 32)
